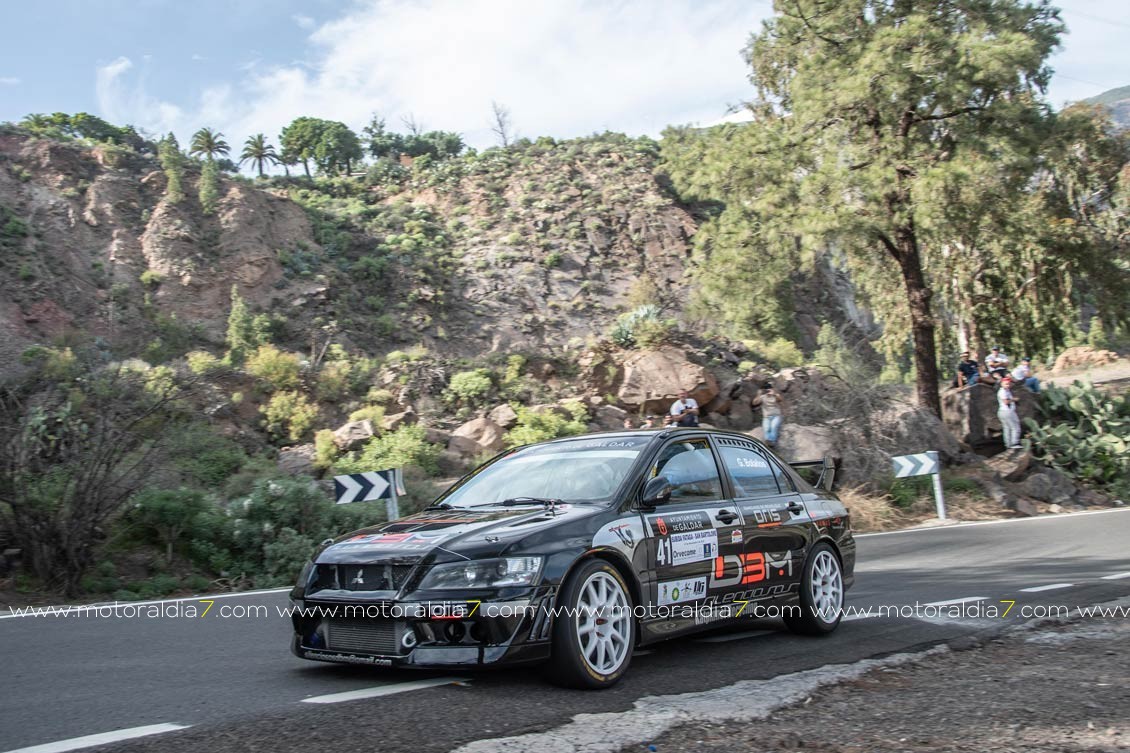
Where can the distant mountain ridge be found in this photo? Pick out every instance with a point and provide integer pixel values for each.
(1118, 102)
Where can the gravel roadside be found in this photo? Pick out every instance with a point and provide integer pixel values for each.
(1045, 687)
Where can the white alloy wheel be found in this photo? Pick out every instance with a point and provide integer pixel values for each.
(603, 623)
(826, 586)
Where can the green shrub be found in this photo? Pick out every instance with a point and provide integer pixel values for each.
(166, 515)
(469, 387)
(642, 326)
(325, 449)
(547, 424)
(334, 381)
(278, 369)
(371, 413)
(201, 362)
(289, 414)
(404, 447)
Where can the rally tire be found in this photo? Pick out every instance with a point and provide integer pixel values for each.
(821, 594)
(594, 632)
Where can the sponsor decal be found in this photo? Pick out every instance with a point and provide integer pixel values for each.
(625, 534)
(748, 568)
(736, 536)
(678, 591)
(348, 658)
(684, 548)
(680, 523)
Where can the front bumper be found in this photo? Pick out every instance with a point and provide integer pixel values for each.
(452, 633)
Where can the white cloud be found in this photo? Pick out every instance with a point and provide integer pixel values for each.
(119, 101)
(9, 81)
(304, 22)
(563, 69)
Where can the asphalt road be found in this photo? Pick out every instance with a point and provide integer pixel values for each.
(233, 683)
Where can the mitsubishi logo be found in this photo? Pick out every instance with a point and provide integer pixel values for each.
(359, 578)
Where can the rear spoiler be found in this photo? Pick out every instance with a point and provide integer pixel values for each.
(827, 468)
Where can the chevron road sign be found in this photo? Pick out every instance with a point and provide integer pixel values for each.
(915, 465)
(365, 487)
(920, 465)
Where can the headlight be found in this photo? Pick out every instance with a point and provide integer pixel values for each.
(507, 571)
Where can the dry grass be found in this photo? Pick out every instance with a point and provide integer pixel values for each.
(877, 512)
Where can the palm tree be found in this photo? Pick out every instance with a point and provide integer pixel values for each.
(257, 151)
(208, 143)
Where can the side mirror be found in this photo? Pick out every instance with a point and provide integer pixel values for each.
(656, 492)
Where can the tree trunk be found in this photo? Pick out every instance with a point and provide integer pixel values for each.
(921, 320)
(306, 166)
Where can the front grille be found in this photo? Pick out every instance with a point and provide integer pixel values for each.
(363, 636)
(362, 577)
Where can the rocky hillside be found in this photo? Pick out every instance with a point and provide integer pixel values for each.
(1117, 101)
(532, 251)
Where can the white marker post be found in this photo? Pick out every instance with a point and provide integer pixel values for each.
(919, 465)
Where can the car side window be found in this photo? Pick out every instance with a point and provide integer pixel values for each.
(690, 468)
(753, 474)
(784, 480)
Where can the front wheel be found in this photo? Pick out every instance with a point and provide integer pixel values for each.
(594, 631)
(821, 594)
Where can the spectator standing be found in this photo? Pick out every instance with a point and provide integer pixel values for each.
(684, 411)
(968, 370)
(649, 422)
(1006, 412)
(772, 412)
(996, 362)
(1023, 375)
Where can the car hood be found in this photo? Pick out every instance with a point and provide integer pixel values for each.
(447, 534)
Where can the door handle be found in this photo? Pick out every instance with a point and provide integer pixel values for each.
(725, 516)
(796, 508)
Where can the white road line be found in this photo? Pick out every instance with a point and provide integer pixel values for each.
(103, 738)
(733, 636)
(993, 522)
(381, 690)
(1049, 587)
(1116, 576)
(951, 602)
(178, 600)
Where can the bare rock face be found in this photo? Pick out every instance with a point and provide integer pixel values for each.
(352, 435)
(1049, 485)
(970, 413)
(298, 460)
(475, 437)
(1083, 356)
(654, 378)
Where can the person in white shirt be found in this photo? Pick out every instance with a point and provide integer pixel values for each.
(1023, 375)
(684, 411)
(996, 363)
(1006, 412)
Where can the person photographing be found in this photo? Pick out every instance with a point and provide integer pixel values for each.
(772, 405)
(684, 411)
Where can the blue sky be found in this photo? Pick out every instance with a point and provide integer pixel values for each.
(562, 67)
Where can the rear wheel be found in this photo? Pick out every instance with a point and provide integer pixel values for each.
(595, 631)
(821, 594)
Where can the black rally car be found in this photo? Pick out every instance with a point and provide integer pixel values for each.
(577, 550)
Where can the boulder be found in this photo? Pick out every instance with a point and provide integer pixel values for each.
(653, 379)
(1083, 357)
(396, 420)
(609, 417)
(477, 436)
(1024, 507)
(1049, 486)
(970, 413)
(504, 416)
(1011, 465)
(352, 435)
(799, 442)
(298, 460)
(741, 414)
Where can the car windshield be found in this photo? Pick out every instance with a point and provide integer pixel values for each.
(581, 470)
